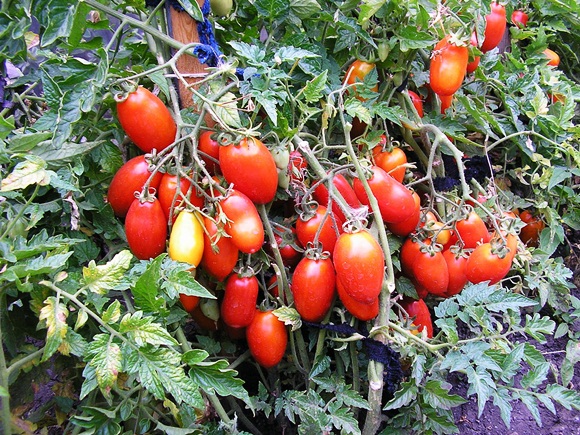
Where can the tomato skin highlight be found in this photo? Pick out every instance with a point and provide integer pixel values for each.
(472, 230)
(146, 229)
(495, 24)
(267, 339)
(313, 288)
(306, 229)
(322, 196)
(146, 120)
(418, 309)
(359, 263)
(219, 263)
(249, 165)
(130, 178)
(239, 303)
(448, 67)
(245, 228)
(430, 271)
(395, 201)
(360, 310)
(210, 150)
(392, 162)
(484, 265)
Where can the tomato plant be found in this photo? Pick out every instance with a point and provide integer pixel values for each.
(552, 56)
(472, 230)
(417, 102)
(392, 162)
(128, 180)
(448, 66)
(189, 302)
(169, 197)
(146, 228)
(530, 233)
(359, 263)
(456, 263)
(472, 66)
(519, 18)
(341, 184)
(267, 338)
(409, 225)
(249, 165)
(357, 72)
(361, 310)
(146, 120)
(431, 272)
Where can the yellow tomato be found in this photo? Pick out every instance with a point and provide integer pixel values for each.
(186, 239)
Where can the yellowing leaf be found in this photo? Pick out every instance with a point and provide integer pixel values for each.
(100, 279)
(31, 171)
(54, 314)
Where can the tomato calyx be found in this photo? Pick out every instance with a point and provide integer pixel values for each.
(499, 247)
(354, 225)
(127, 88)
(313, 252)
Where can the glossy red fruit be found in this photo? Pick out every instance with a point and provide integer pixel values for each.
(446, 101)
(167, 194)
(430, 271)
(530, 233)
(417, 102)
(361, 311)
(395, 201)
(420, 312)
(322, 196)
(220, 254)
(146, 228)
(392, 162)
(553, 58)
(403, 229)
(484, 265)
(146, 120)
(495, 24)
(472, 66)
(249, 165)
(239, 303)
(472, 230)
(519, 18)
(244, 226)
(357, 72)
(448, 66)
(267, 339)
(289, 246)
(189, 302)
(313, 287)
(209, 151)
(456, 268)
(409, 250)
(359, 263)
(307, 229)
(129, 179)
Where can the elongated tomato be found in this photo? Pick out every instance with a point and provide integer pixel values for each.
(220, 254)
(267, 339)
(313, 288)
(319, 225)
(146, 228)
(484, 265)
(359, 262)
(322, 196)
(361, 311)
(245, 226)
(448, 67)
(430, 271)
(186, 239)
(239, 303)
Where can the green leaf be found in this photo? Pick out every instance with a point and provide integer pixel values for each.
(272, 9)
(356, 109)
(344, 420)
(455, 361)
(31, 171)
(368, 8)
(412, 38)
(304, 8)
(559, 174)
(321, 364)
(105, 356)
(170, 430)
(142, 330)
(313, 90)
(217, 377)
(54, 314)
(534, 377)
(532, 404)
(404, 396)
(227, 110)
(181, 281)
(159, 370)
(512, 363)
(572, 358)
(482, 384)
(502, 300)
(419, 369)
(567, 398)
(192, 8)
(60, 22)
(40, 243)
(113, 313)
(537, 326)
(58, 155)
(195, 356)
(146, 289)
(289, 316)
(6, 126)
(100, 279)
(439, 397)
(25, 142)
(37, 266)
(502, 399)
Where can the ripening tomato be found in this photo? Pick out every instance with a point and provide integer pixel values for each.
(445, 101)
(146, 228)
(448, 66)
(307, 229)
(430, 271)
(359, 262)
(484, 265)
(357, 73)
(210, 151)
(409, 250)
(322, 196)
(530, 233)
(393, 162)
(472, 66)
(511, 242)
(167, 193)
(313, 287)
(221, 8)
(239, 303)
(417, 102)
(220, 254)
(456, 268)
(437, 229)
(519, 18)
(472, 230)
(287, 245)
(409, 225)
(420, 312)
(249, 165)
(129, 179)
(146, 120)
(553, 58)
(267, 338)
(395, 201)
(361, 311)
(186, 239)
(244, 226)
(189, 302)
(495, 24)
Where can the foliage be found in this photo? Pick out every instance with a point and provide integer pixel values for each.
(72, 295)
